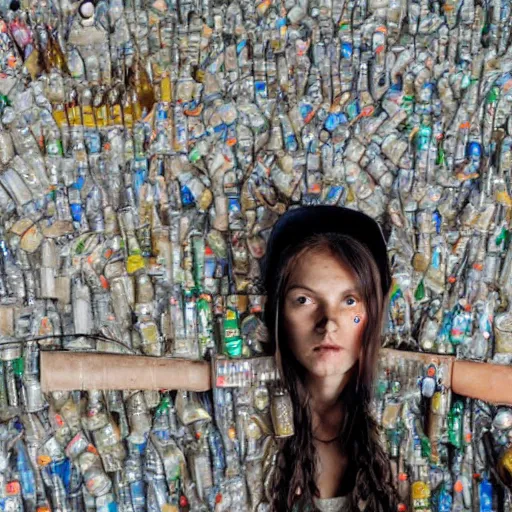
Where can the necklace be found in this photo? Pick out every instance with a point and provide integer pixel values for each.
(327, 441)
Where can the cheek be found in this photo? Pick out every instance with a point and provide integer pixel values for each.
(358, 333)
(354, 330)
(297, 329)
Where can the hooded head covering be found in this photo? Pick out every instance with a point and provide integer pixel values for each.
(299, 223)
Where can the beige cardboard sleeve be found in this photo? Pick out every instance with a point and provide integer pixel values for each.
(485, 381)
(7, 314)
(66, 371)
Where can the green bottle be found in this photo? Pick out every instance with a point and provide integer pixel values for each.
(455, 424)
(232, 338)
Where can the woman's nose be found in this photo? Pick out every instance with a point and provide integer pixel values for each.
(328, 321)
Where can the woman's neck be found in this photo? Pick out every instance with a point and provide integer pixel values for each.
(324, 403)
(325, 392)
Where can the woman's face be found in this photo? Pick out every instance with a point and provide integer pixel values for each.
(321, 303)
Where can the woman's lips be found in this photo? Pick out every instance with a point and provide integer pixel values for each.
(322, 348)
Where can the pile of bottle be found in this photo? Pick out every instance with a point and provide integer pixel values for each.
(447, 453)
(146, 149)
(132, 452)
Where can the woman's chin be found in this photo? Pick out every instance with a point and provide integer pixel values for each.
(324, 369)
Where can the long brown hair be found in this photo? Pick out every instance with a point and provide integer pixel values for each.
(295, 469)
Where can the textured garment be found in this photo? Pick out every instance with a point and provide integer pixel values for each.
(338, 504)
(331, 504)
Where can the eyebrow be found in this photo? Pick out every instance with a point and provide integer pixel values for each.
(348, 291)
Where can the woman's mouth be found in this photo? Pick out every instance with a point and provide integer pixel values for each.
(327, 348)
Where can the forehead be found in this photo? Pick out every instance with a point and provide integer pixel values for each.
(320, 266)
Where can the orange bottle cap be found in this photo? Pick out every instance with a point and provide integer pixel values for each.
(44, 460)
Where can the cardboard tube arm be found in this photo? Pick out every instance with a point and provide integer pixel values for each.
(485, 381)
(67, 371)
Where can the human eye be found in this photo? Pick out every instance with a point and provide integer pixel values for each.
(302, 300)
(351, 301)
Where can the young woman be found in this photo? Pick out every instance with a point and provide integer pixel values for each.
(327, 278)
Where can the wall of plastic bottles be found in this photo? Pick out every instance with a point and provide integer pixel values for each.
(146, 149)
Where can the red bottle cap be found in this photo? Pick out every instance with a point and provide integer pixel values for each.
(12, 488)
